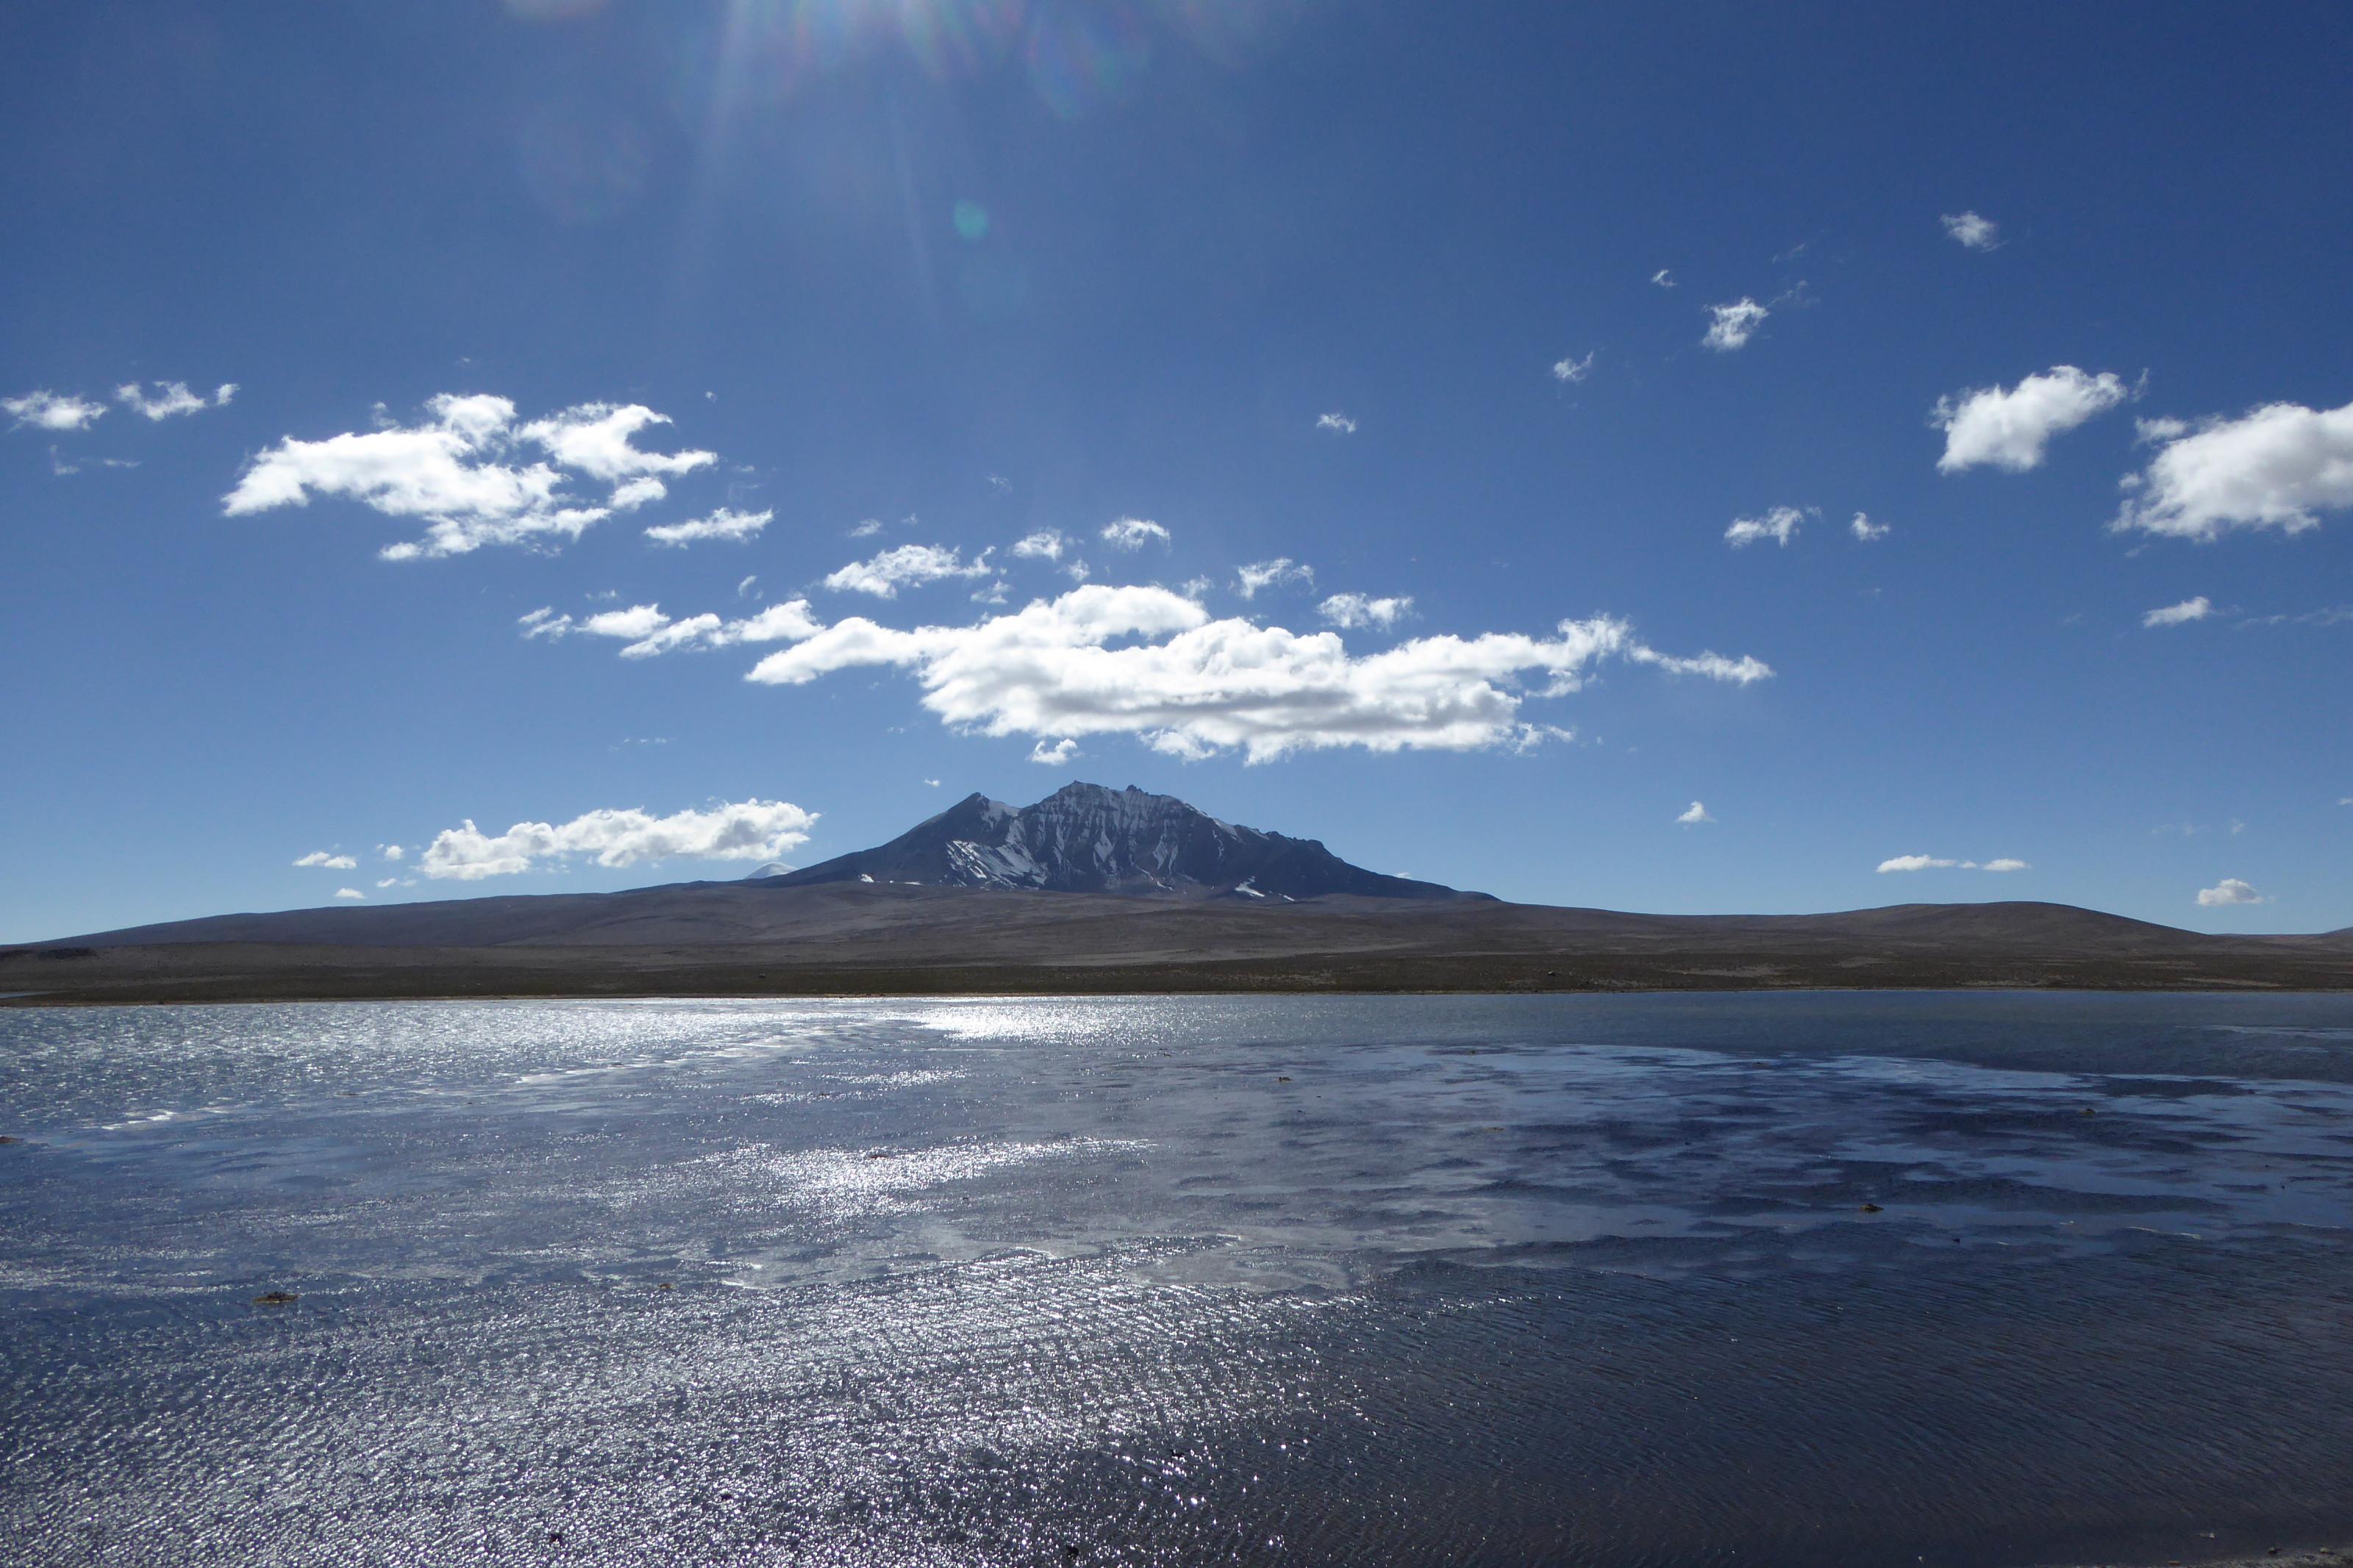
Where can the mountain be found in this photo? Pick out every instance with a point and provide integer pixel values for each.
(1085, 839)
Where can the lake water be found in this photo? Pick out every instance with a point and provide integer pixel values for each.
(1179, 1281)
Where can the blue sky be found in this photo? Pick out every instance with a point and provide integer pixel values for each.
(2055, 296)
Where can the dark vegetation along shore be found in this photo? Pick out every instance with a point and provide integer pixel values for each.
(880, 939)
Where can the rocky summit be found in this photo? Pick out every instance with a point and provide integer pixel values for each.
(1086, 838)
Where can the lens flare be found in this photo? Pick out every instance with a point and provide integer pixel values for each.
(1084, 57)
(959, 37)
(972, 220)
(1231, 32)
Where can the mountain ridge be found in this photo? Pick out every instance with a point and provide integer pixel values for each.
(1088, 838)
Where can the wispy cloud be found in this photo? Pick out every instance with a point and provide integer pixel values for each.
(1780, 525)
(1970, 229)
(1941, 863)
(2182, 614)
(1133, 533)
(1865, 530)
(2010, 429)
(1730, 327)
(1340, 424)
(1046, 544)
(1349, 611)
(724, 523)
(648, 632)
(1061, 751)
(1569, 368)
(2279, 467)
(171, 398)
(907, 566)
(1696, 815)
(1190, 686)
(326, 860)
(1662, 278)
(745, 830)
(2228, 892)
(1281, 571)
(45, 410)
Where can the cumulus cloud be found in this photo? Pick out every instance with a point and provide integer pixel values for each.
(648, 631)
(171, 398)
(1046, 544)
(328, 861)
(907, 566)
(1569, 368)
(1338, 423)
(1190, 686)
(1941, 863)
(1696, 815)
(1281, 571)
(1988, 427)
(2229, 891)
(1730, 327)
(2279, 467)
(454, 469)
(391, 851)
(349, 893)
(2188, 610)
(1780, 525)
(1862, 528)
(1349, 611)
(1970, 229)
(745, 830)
(722, 523)
(44, 410)
(1063, 750)
(631, 494)
(1133, 533)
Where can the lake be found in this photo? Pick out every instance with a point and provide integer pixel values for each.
(1822, 1279)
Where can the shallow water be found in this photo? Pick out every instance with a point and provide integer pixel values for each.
(1173, 1281)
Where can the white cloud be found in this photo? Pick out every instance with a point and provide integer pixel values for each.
(2005, 863)
(1078, 572)
(452, 469)
(349, 893)
(746, 830)
(1730, 327)
(1696, 815)
(999, 485)
(1277, 572)
(993, 594)
(1336, 422)
(631, 494)
(1570, 368)
(2230, 890)
(907, 566)
(1780, 525)
(1865, 530)
(596, 439)
(1063, 750)
(2278, 466)
(1190, 686)
(389, 882)
(1989, 426)
(1348, 611)
(53, 411)
(1133, 533)
(867, 527)
(170, 399)
(1046, 544)
(1939, 863)
(2188, 610)
(391, 851)
(327, 861)
(1664, 279)
(722, 523)
(649, 632)
(2151, 432)
(1976, 232)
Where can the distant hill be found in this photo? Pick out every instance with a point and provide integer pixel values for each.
(1104, 890)
(1085, 839)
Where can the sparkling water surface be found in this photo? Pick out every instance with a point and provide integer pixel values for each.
(1830, 1278)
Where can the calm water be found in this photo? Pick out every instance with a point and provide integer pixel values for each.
(1170, 1281)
